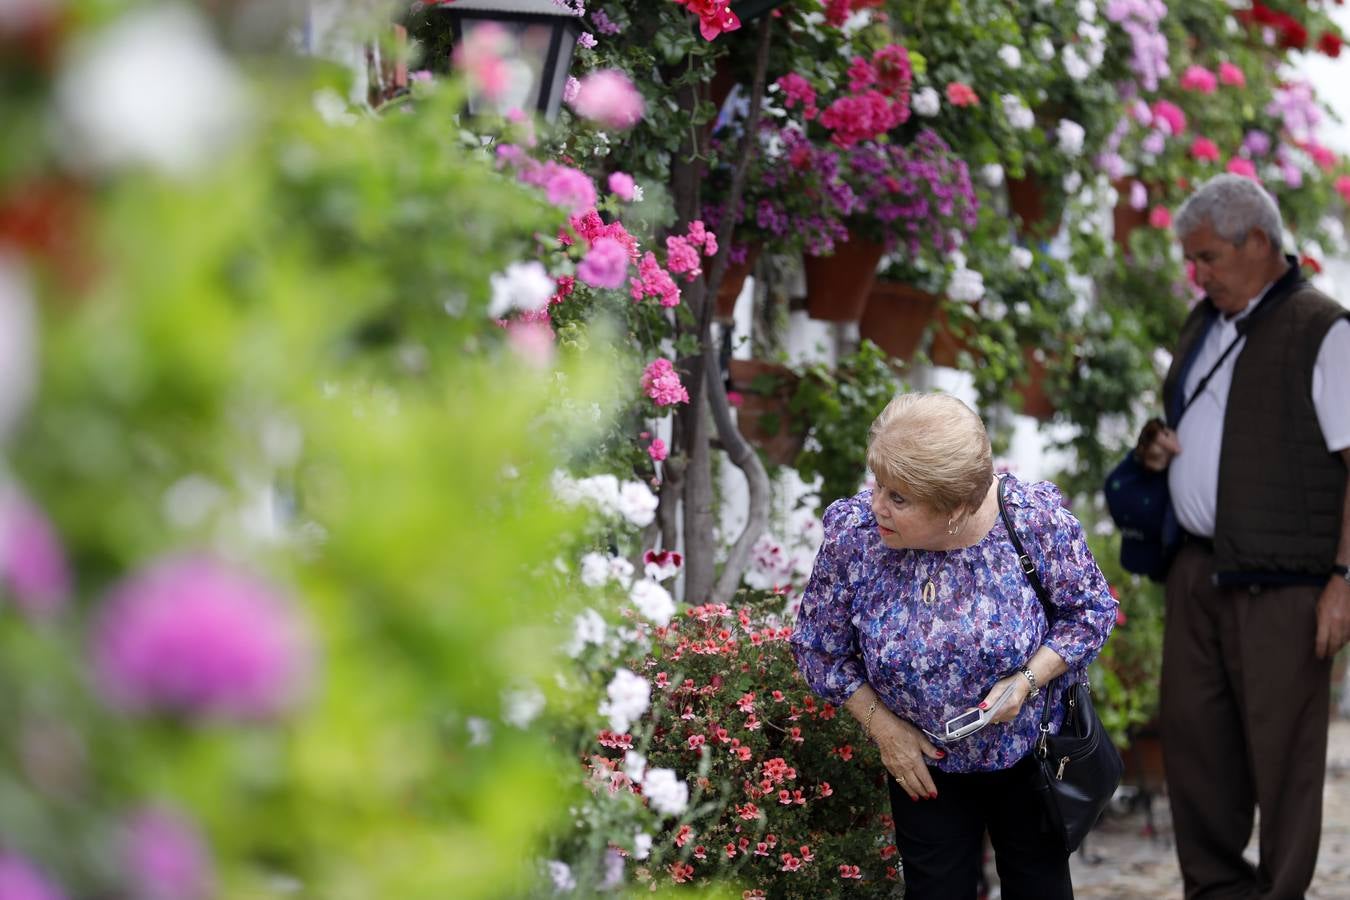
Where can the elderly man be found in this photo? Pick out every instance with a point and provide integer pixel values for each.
(1258, 596)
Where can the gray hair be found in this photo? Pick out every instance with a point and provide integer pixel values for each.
(1232, 205)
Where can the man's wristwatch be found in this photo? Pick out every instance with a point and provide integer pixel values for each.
(1341, 571)
(1029, 676)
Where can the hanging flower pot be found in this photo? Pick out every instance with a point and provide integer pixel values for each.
(1035, 401)
(1038, 211)
(896, 317)
(837, 286)
(948, 342)
(733, 280)
(763, 413)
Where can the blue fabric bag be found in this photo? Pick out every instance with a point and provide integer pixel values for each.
(1141, 507)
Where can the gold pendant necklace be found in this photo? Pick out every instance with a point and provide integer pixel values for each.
(929, 592)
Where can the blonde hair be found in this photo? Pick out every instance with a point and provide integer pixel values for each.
(934, 449)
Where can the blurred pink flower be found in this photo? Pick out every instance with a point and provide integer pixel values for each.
(165, 857)
(1231, 75)
(960, 94)
(33, 568)
(1170, 113)
(605, 265)
(1205, 149)
(1244, 167)
(621, 185)
(1342, 184)
(609, 97)
(1198, 78)
(657, 451)
(482, 58)
(1160, 217)
(569, 188)
(532, 342)
(662, 384)
(191, 635)
(21, 880)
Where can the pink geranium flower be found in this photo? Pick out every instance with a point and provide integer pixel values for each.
(166, 858)
(621, 185)
(1342, 184)
(1231, 75)
(1198, 78)
(1170, 113)
(1204, 149)
(657, 451)
(605, 265)
(662, 384)
(569, 188)
(1160, 217)
(33, 567)
(191, 635)
(960, 94)
(1244, 167)
(609, 97)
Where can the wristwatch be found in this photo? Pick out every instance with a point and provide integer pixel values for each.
(1035, 688)
(1342, 571)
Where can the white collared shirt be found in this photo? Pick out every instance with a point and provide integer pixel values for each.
(1193, 476)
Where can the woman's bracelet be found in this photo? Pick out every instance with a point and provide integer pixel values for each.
(867, 722)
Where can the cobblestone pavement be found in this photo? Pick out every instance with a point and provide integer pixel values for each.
(1123, 861)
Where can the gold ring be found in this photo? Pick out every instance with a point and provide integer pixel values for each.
(900, 781)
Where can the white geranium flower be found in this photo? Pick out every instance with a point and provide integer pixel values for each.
(634, 765)
(524, 286)
(926, 102)
(480, 731)
(18, 340)
(594, 569)
(1072, 182)
(1087, 10)
(1044, 48)
(665, 792)
(564, 882)
(587, 628)
(637, 503)
(1011, 56)
(642, 845)
(152, 89)
(628, 697)
(653, 602)
(992, 174)
(522, 706)
(1074, 64)
(1022, 257)
(602, 491)
(1070, 135)
(638, 193)
(994, 310)
(1019, 114)
(620, 570)
(965, 285)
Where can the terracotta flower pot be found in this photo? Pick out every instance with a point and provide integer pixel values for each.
(947, 343)
(763, 414)
(837, 286)
(1125, 218)
(1035, 402)
(1030, 200)
(896, 317)
(733, 280)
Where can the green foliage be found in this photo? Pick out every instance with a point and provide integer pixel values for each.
(839, 405)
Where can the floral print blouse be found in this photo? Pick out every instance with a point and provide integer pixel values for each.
(863, 620)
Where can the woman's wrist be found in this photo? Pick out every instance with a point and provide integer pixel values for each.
(867, 720)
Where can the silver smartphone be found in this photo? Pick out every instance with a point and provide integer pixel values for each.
(971, 721)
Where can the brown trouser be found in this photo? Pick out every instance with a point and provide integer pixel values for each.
(1245, 703)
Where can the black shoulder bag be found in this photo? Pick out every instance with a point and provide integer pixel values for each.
(1079, 769)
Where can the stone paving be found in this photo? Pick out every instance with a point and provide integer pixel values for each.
(1122, 861)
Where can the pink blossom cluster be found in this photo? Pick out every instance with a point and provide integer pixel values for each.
(592, 228)
(166, 858)
(682, 251)
(1199, 79)
(33, 567)
(662, 384)
(714, 16)
(190, 635)
(879, 100)
(654, 281)
(797, 91)
(605, 264)
(482, 56)
(609, 98)
(563, 185)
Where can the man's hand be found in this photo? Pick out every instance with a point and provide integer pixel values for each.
(1333, 617)
(1157, 445)
(903, 748)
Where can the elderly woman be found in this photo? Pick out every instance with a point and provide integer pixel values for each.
(917, 611)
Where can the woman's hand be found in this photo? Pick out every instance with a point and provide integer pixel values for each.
(903, 751)
(1010, 710)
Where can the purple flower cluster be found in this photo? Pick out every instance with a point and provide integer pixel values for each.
(917, 195)
(192, 636)
(166, 857)
(1140, 19)
(33, 568)
(21, 880)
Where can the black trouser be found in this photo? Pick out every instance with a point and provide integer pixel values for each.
(941, 841)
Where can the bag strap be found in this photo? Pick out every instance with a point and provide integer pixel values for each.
(1029, 569)
(1243, 327)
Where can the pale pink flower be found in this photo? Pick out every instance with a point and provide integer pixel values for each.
(571, 88)
(569, 188)
(621, 185)
(165, 857)
(609, 97)
(605, 265)
(190, 635)
(33, 567)
(482, 58)
(533, 342)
